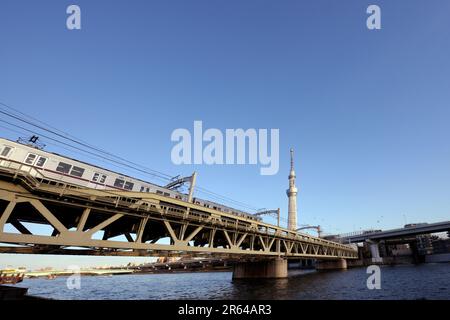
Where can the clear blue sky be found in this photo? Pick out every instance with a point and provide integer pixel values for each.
(366, 111)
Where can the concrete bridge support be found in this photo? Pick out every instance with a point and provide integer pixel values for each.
(375, 252)
(340, 264)
(275, 268)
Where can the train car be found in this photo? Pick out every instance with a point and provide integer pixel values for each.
(57, 167)
(226, 209)
(72, 171)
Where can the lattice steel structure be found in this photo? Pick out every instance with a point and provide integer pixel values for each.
(90, 221)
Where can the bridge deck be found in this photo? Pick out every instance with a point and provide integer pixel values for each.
(399, 233)
(92, 221)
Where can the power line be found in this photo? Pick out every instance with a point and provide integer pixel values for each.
(64, 135)
(77, 141)
(61, 145)
(93, 158)
(241, 204)
(12, 130)
(200, 189)
(79, 149)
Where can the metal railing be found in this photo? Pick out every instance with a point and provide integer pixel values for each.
(36, 180)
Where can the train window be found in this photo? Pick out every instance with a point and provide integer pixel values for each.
(99, 177)
(142, 189)
(41, 161)
(159, 192)
(30, 158)
(63, 167)
(129, 185)
(166, 194)
(119, 183)
(6, 151)
(147, 189)
(77, 171)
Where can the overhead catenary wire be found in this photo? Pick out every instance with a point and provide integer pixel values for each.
(98, 152)
(57, 144)
(216, 196)
(79, 149)
(75, 140)
(42, 122)
(242, 204)
(78, 139)
(12, 130)
(201, 190)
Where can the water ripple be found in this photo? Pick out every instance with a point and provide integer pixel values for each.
(426, 281)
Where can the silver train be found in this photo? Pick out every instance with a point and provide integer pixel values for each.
(75, 172)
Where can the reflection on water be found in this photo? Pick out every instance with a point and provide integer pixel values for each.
(426, 281)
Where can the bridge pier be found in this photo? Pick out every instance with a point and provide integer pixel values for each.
(375, 252)
(340, 264)
(275, 268)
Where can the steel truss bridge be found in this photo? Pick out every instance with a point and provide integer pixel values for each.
(86, 221)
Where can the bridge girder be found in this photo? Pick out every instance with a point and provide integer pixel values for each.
(149, 225)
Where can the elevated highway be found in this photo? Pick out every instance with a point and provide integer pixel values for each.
(406, 232)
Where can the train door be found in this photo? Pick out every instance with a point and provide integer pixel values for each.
(32, 163)
(98, 181)
(5, 153)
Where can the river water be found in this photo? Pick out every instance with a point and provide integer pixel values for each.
(425, 281)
